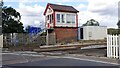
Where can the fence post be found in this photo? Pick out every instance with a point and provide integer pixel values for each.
(108, 45)
(116, 41)
(114, 51)
(113, 46)
(119, 46)
(111, 51)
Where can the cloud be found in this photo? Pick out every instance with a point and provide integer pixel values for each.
(55, 0)
(110, 21)
(67, 0)
(84, 16)
(81, 7)
(31, 15)
(104, 11)
(44, 1)
(104, 7)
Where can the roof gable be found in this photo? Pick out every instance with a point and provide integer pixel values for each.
(49, 11)
(63, 8)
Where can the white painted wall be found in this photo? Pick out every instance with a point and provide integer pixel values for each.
(94, 32)
(65, 24)
(48, 12)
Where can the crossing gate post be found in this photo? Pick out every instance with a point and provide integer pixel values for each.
(119, 45)
(113, 46)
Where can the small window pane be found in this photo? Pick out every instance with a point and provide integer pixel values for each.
(68, 18)
(50, 18)
(73, 18)
(63, 18)
(58, 18)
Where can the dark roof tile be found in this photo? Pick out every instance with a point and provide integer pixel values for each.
(66, 8)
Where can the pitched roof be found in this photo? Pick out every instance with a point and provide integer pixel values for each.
(63, 8)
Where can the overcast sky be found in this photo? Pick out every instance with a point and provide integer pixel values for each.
(103, 11)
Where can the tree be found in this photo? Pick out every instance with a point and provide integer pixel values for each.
(27, 29)
(1, 3)
(11, 21)
(91, 22)
(118, 24)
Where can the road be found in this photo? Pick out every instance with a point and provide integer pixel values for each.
(16, 59)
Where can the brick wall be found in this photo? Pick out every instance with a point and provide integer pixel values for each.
(65, 34)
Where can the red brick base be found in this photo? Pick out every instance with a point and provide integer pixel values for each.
(65, 34)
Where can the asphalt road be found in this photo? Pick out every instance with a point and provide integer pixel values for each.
(61, 62)
(11, 60)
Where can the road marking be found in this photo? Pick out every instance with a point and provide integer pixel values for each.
(8, 53)
(65, 57)
(24, 54)
(93, 60)
(32, 55)
(85, 59)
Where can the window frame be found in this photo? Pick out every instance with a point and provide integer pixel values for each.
(68, 18)
(63, 18)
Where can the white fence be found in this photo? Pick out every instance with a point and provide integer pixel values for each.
(113, 46)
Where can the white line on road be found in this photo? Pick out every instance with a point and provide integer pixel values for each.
(93, 60)
(67, 57)
(24, 54)
(85, 60)
(7, 53)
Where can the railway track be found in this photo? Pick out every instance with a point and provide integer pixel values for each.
(66, 47)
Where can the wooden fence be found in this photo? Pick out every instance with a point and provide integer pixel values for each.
(17, 39)
(113, 46)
